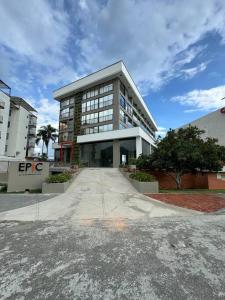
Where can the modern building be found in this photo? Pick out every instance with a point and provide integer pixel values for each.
(103, 119)
(213, 124)
(17, 126)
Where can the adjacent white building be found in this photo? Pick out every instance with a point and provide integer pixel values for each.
(213, 124)
(17, 126)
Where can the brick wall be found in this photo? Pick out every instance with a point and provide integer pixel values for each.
(189, 181)
(216, 183)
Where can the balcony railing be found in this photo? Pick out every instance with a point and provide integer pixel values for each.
(32, 123)
(32, 131)
(2, 104)
(31, 145)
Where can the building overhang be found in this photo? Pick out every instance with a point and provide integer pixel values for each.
(117, 70)
(115, 135)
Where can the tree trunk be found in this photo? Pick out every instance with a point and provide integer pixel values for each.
(178, 180)
(42, 147)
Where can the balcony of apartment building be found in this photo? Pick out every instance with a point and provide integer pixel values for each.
(32, 122)
(31, 144)
(2, 104)
(5, 88)
(32, 131)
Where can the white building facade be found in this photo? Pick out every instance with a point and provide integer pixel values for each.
(213, 124)
(17, 127)
(103, 119)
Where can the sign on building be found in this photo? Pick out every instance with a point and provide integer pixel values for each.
(26, 175)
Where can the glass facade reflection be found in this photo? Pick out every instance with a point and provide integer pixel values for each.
(127, 150)
(97, 154)
(145, 147)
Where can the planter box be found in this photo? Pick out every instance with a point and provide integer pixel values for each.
(145, 187)
(49, 188)
(142, 187)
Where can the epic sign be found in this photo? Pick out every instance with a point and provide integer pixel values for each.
(33, 167)
(27, 175)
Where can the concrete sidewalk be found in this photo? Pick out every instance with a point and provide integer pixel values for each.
(97, 193)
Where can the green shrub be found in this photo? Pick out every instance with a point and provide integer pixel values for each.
(132, 161)
(59, 178)
(143, 177)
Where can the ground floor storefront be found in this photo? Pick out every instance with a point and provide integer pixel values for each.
(106, 149)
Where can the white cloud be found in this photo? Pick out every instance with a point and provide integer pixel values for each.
(161, 131)
(35, 40)
(206, 100)
(191, 72)
(48, 112)
(155, 38)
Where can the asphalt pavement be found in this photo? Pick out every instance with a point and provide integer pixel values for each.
(166, 258)
(14, 201)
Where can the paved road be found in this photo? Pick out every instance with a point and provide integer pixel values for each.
(164, 258)
(13, 201)
(97, 194)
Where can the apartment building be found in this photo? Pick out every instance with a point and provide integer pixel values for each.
(17, 126)
(213, 125)
(103, 120)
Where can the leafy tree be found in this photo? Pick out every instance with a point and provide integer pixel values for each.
(46, 133)
(184, 151)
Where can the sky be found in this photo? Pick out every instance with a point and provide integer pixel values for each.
(174, 50)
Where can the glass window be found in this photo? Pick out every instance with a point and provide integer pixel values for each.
(96, 92)
(83, 120)
(105, 115)
(97, 154)
(88, 106)
(106, 100)
(64, 113)
(65, 103)
(92, 93)
(71, 100)
(84, 97)
(84, 107)
(71, 112)
(107, 127)
(96, 103)
(145, 147)
(106, 88)
(92, 104)
(88, 94)
(127, 149)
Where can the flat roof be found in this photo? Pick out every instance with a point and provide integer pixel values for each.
(23, 103)
(117, 69)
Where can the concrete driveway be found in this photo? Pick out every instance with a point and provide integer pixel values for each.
(100, 241)
(98, 193)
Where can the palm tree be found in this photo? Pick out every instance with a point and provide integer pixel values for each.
(50, 135)
(41, 136)
(46, 133)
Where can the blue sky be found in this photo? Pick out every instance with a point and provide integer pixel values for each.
(174, 49)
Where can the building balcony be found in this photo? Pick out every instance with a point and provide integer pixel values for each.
(32, 123)
(1, 119)
(32, 131)
(31, 145)
(2, 104)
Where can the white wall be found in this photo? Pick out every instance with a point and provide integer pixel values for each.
(213, 124)
(3, 127)
(18, 130)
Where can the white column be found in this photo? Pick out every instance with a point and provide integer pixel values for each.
(138, 146)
